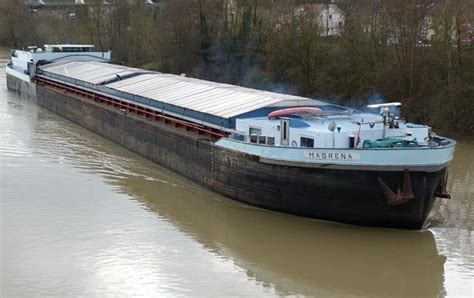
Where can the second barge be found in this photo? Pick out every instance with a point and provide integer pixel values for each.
(287, 153)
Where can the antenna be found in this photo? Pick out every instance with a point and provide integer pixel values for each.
(384, 107)
(388, 119)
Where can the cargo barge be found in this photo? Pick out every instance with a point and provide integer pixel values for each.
(280, 152)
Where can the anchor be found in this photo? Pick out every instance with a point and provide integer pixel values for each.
(403, 194)
(441, 191)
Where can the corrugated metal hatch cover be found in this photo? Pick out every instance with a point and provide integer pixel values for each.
(217, 99)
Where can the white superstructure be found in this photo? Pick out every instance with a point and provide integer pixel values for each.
(24, 61)
(329, 129)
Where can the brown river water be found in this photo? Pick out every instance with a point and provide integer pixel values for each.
(81, 216)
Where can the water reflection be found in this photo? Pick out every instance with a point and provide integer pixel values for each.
(305, 256)
(459, 211)
(284, 253)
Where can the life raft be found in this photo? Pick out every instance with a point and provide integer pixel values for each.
(294, 111)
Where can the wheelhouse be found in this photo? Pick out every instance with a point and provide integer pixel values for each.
(332, 126)
(68, 48)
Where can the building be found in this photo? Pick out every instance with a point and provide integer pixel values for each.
(330, 16)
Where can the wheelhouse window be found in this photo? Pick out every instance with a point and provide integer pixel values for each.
(69, 49)
(271, 141)
(307, 142)
(255, 131)
(254, 134)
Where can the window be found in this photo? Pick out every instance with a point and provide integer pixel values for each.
(307, 142)
(271, 141)
(262, 139)
(255, 131)
(238, 136)
(253, 138)
(285, 131)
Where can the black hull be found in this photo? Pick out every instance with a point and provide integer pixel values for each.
(347, 196)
